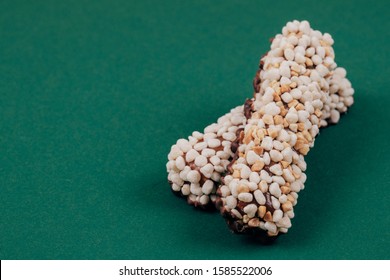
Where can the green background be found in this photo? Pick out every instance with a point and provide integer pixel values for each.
(93, 94)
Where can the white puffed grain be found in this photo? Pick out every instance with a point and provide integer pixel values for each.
(226, 191)
(231, 202)
(245, 172)
(192, 140)
(275, 155)
(278, 145)
(207, 170)
(295, 186)
(215, 160)
(276, 169)
(272, 74)
(316, 59)
(275, 203)
(195, 189)
(283, 198)
(259, 196)
(285, 81)
(302, 115)
(222, 154)
(215, 176)
(236, 213)
(296, 93)
(293, 40)
(208, 152)
(213, 143)
(279, 180)
(192, 154)
(252, 186)
(271, 227)
(175, 152)
(180, 163)
(285, 71)
(266, 158)
(210, 135)
(271, 109)
(197, 135)
(184, 145)
(252, 157)
(291, 117)
(286, 97)
(200, 146)
(322, 70)
(185, 190)
(284, 222)
(204, 199)
(268, 95)
(265, 176)
(310, 52)
(320, 51)
(250, 210)
(254, 177)
(175, 187)
(263, 186)
(304, 27)
(245, 197)
(230, 136)
(219, 168)
(299, 58)
(207, 187)
(267, 143)
(275, 190)
(175, 178)
(277, 216)
(283, 136)
(184, 172)
(289, 54)
(200, 161)
(288, 175)
(236, 119)
(334, 116)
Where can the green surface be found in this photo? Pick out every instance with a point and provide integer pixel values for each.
(93, 94)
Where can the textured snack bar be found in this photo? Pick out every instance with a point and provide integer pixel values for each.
(260, 189)
(195, 165)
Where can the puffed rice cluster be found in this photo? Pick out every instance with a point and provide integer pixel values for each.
(250, 163)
